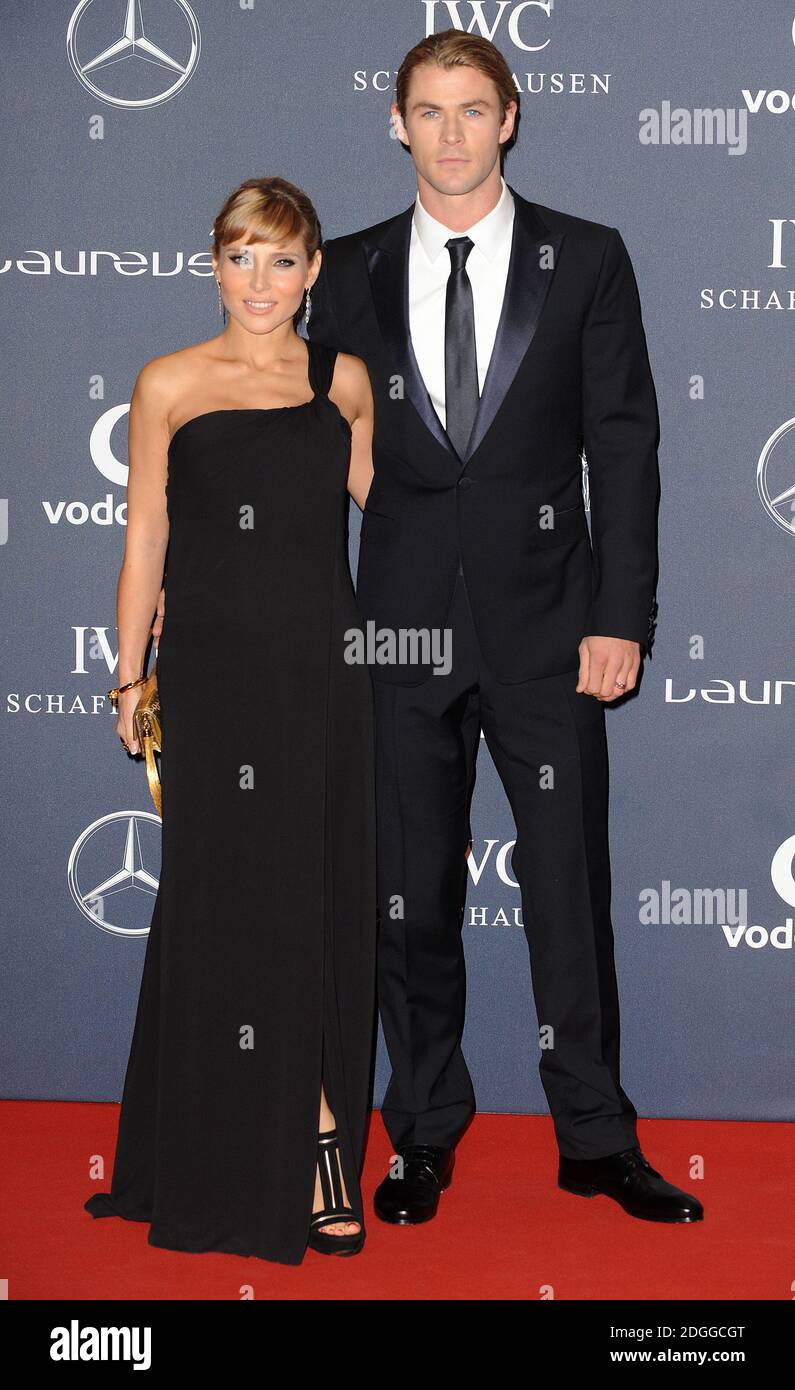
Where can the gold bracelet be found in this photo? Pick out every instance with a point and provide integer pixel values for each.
(117, 690)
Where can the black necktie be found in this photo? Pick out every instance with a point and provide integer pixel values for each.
(461, 393)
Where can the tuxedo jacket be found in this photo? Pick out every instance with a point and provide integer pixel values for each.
(569, 373)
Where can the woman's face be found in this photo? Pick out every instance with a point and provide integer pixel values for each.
(262, 282)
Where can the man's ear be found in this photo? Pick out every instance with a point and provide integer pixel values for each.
(511, 109)
(397, 123)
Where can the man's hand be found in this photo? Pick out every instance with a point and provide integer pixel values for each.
(608, 667)
(157, 625)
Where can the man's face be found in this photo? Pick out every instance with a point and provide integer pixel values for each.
(453, 126)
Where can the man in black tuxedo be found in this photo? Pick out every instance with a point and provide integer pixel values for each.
(501, 338)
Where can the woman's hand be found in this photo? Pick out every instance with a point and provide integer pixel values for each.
(127, 702)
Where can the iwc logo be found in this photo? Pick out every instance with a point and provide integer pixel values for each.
(122, 63)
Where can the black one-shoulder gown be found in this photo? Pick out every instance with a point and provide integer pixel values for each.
(259, 975)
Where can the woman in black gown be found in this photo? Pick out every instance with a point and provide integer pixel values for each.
(247, 1087)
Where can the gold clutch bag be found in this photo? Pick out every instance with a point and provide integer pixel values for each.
(148, 731)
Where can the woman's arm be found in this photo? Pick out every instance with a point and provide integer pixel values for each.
(146, 539)
(353, 394)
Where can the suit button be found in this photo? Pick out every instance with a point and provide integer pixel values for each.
(464, 482)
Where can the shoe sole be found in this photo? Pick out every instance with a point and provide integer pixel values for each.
(338, 1254)
(640, 1216)
(329, 1249)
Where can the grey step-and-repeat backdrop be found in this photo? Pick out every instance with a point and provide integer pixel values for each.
(674, 123)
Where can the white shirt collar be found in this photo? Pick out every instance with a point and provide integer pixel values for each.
(488, 234)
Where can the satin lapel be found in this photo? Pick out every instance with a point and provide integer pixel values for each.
(388, 264)
(534, 256)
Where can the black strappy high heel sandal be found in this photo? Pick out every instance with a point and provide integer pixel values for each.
(333, 1209)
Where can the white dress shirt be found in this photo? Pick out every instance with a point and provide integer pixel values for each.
(429, 268)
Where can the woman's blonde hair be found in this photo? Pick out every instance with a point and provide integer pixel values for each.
(269, 209)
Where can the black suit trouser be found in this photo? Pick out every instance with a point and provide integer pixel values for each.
(427, 738)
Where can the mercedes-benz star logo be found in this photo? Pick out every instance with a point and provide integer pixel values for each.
(778, 501)
(123, 842)
(177, 27)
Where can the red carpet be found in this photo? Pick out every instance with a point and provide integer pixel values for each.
(504, 1229)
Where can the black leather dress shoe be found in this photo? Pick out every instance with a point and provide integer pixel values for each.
(406, 1201)
(635, 1185)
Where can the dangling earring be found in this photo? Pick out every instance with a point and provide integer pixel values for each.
(308, 309)
(221, 306)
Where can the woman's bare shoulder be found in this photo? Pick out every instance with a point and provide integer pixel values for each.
(163, 381)
(171, 371)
